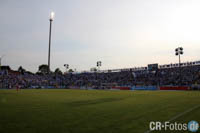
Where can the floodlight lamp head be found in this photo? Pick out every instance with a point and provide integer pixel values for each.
(52, 15)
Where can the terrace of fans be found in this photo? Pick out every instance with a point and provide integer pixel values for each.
(163, 75)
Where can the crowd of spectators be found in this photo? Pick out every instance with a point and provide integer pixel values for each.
(188, 75)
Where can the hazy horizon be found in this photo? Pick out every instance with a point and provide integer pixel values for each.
(121, 34)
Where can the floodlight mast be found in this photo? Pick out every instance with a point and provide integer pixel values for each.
(66, 66)
(1, 59)
(179, 52)
(49, 52)
(99, 65)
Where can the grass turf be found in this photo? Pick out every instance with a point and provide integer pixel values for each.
(92, 111)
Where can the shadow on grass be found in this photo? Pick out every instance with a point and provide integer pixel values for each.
(94, 101)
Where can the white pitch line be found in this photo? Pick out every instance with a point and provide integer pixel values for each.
(179, 115)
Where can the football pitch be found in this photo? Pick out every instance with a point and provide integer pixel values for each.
(93, 111)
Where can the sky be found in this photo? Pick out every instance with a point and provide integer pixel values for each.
(120, 33)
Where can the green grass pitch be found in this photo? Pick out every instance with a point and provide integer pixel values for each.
(92, 111)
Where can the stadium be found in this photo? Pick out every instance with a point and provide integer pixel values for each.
(110, 96)
(120, 100)
(183, 76)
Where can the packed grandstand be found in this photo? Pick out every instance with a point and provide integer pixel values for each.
(161, 77)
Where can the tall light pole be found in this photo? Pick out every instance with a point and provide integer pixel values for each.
(66, 66)
(179, 52)
(49, 53)
(99, 64)
(1, 59)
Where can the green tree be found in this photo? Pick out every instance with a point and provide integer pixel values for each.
(94, 69)
(43, 69)
(21, 69)
(71, 71)
(58, 71)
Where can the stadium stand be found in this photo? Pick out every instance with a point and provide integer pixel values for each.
(133, 78)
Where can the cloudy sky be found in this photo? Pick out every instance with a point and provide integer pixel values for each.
(120, 33)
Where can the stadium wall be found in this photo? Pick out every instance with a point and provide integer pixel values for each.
(121, 88)
(174, 88)
(195, 87)
(144, 88)
(150, 88)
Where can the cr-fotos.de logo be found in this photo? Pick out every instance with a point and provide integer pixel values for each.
(192, 126)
